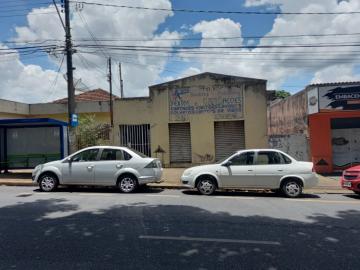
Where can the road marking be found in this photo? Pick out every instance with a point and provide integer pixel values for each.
(322, 201)
(218, 240)
(169, 196)
(237, 198)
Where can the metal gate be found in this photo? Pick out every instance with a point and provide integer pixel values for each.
(180, 143)
(229, 138)
(136, 137)
(345, 140)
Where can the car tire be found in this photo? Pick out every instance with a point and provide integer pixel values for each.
(291, 188)
(48, 182)
(127, 183)
(206, 186)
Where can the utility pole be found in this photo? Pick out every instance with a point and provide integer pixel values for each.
(111, 95)
(72, 118)
(121, 82)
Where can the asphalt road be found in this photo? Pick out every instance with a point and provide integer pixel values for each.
(171, 229)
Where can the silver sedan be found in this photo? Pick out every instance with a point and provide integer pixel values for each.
(100, 166)
(253, 169)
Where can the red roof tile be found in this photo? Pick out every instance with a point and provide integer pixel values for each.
(93, 95)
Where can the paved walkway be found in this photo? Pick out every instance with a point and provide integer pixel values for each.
(171, 176)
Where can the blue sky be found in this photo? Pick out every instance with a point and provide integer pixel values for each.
(280, 73)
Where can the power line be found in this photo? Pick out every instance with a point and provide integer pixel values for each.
(27, 14)
(52, 87)
(23, 4)
(225, 38)
(195, 38)
(216, 11)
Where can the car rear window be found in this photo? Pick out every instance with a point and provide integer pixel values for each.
(285, 159)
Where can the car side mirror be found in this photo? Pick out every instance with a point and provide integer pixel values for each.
(69, 160)
(227, 163)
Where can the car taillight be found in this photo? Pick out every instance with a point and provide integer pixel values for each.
(152, 164)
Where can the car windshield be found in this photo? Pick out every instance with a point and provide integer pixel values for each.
(225, 158)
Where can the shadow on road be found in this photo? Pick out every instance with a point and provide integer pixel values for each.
(94, 189)
(264, 194)
(352, 196)
(53, 234)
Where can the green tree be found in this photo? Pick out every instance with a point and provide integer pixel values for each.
(282, 94)
(89, 132)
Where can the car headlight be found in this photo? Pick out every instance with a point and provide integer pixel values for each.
(187, 172)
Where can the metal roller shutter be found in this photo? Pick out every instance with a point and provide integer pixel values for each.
(180, 143)
(229, 138)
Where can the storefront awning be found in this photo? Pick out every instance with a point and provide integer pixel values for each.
(31, 122)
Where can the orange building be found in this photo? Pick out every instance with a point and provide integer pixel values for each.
(322, 121)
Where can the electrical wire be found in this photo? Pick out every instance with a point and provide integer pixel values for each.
(215, 11)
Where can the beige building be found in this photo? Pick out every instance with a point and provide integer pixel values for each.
(194, 120)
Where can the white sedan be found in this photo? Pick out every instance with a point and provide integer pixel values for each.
(253, 169)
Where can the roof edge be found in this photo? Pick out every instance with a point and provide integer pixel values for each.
(208, 73)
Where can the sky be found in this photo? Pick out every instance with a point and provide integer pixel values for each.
(102, 31)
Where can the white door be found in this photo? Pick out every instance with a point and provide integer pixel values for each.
(81, 169)
(270, 167)
(110, 162)
(239, 172)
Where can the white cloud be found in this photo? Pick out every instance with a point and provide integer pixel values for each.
(27, 83)
(32, 83)
(139, 71)
(342, 73)
(275, 65)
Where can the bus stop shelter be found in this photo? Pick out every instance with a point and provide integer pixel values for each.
(25, 143)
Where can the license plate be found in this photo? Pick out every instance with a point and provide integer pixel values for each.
(347, 184)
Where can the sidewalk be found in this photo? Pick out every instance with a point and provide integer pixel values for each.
(171, 177)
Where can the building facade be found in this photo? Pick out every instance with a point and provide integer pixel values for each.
(321, 124)
(194, 120)
(36, 133)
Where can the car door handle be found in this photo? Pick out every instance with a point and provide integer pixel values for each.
(90, 167)
(280, 170)
(119, 166)
(250, 170)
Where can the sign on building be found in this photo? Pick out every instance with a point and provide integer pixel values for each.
(313, 101)
(221, 101)
(346, 97)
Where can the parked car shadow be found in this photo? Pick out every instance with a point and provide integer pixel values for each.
(352, 196)
(251, 193)
(96, 189)
(56, 234)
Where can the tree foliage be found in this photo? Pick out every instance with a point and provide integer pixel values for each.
(282, 94)
(90, 133)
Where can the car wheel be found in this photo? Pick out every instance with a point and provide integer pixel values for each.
(291, 188)
(206, 186)
(127, 183)
(48, 182)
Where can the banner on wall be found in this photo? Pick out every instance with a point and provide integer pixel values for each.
(345, 97)
(221, 101)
